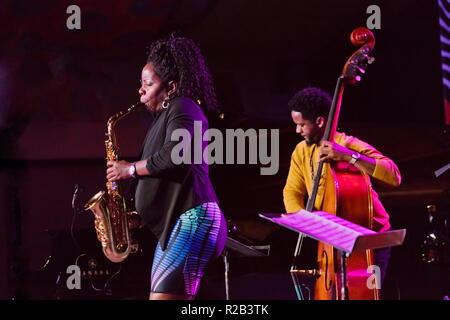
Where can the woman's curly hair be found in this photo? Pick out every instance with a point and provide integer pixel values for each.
(311, 102)
(179, 59)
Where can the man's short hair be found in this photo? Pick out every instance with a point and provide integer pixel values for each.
(311, 102)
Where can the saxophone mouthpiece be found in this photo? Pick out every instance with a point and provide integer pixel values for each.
(138, 104)
(135, 106)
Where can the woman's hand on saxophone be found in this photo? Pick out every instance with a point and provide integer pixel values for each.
(118, 170)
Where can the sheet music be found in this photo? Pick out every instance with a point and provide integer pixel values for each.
(326, 227)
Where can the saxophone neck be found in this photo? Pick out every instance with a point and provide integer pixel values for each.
(112, 121)
(124, 113)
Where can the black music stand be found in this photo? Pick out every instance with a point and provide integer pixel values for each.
(243, 251)
(344, 235)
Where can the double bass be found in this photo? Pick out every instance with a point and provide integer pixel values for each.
(347, 194)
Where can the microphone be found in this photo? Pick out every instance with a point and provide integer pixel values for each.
(78, 188)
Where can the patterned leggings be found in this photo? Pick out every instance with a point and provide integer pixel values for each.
(198, 237)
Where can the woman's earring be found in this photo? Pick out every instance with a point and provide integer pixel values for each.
(165, 103)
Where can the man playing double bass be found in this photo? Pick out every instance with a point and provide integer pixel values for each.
(309, 110)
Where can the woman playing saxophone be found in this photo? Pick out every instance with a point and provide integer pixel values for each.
(176, 202)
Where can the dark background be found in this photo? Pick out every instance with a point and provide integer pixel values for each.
(59, 87)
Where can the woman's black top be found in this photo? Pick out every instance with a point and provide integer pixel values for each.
(171, 189)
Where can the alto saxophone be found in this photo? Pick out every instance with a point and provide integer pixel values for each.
(111, 217)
